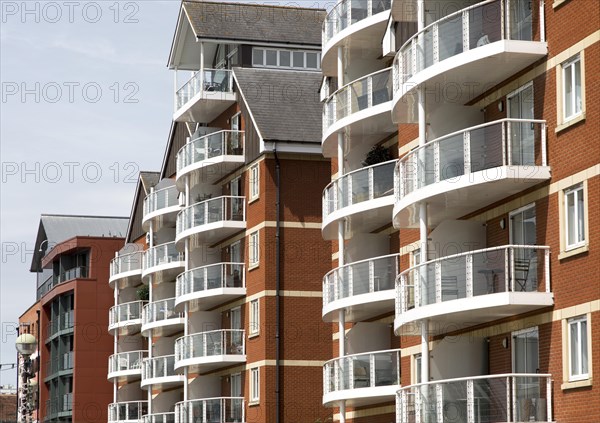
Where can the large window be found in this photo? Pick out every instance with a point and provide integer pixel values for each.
(253, 250)
(254, 182)
(578, 348)
(292, 59)
(575, 217)
(572, 100)
(254, 318)
(254, 385)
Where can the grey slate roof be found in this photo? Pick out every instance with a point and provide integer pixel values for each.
(255, 22)
(149, 179)
(285, 104)
(58, 228)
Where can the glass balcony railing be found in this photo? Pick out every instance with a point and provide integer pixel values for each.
(126, 361)
(62, 322)
(59, 404)
(509, 268)
(207, 147)
(158, 367)
(362, 277)
(212, 343)
(159, 418)
(506, 142)
(348, 12)
(226, 208)
(214, 276)
(366, 92)
(61, 363)
(158, 311)
(223, 409)
(127, 411)
(358, 186)
(470, 28)
(368, 370)
(126, 263)
(126, 312)
(491, 398)
(161, 254)
(210, 81)
(68, 275)
(161, 199)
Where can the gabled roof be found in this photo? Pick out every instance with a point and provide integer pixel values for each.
(56, 228)
(255, 22)
(146, 180)
(284, 104)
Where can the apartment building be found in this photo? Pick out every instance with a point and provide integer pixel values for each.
(492, 218)
(71, 259)
(217, 290)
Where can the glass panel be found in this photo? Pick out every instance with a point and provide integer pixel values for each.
(486, 147)
(359, 10)
(578, 99)
(383, 180)
(298, 59)
(584, 346)
(285, 58)
(360, 186)
(271, 57)
(452, 159)
(450, 37)
(360, 278)
(311, 61)
(454, 283)
(360, 95)
(520, 13)
(362, 371)
(257, 57)
(382, 87)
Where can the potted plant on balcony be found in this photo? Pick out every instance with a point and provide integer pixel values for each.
(378, 154)
(143, 293)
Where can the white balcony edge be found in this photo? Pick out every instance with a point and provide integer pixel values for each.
(222, 224)
(211, 359)
(124, 373)
(162, 267)
(202, 95)
(365, 114)
(124, 275)
(208, 293)
(376, 392)
(362, 207)
(357, 300)
(157, 213)
(174, 321)
(204, 164)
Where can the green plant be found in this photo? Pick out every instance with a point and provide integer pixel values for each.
(378, 154)
(143, 293)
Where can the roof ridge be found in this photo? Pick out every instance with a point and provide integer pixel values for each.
(83, 215)
(274, 6)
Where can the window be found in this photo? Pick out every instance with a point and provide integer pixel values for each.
(285, 59)
(254, 182)
(311, 61)
(574, 213)
(417, 368)
(253, 253)
(272, 58)
(298, 59)
(578, 348)
(291, 59)
(572, 88)
(254, 317)
(258, 57)
(254, 385)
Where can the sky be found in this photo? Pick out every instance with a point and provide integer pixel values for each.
(86, 104)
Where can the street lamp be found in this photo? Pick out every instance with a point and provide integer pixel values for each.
(26, 345)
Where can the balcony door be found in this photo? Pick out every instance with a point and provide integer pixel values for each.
(236, 336)
(520, 106)
(526, 360)
(522, 225)
(520, 20)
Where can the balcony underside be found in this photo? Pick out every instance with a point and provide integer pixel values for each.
(461, 78)
(128, 327)
(361, 307)
(366, 216)
(209, 233)
(210, 363)
(208, 299)
(367, 126)
(208, 171)
(359, 397)
(361, 41)
(205, 107)
(164, 272)
(453, 315)
(125, 376)
(163, 383)
(165, 327)
(126, 279)
(459, 196)
(161, 218)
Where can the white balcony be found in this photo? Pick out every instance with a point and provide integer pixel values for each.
(210, 157)
(205, 96)
(467, 170)
(364, 289)
(360, 109)
(160, 373)
(159, 318)
(206, 351)
(126, 366)
(163, 262)
(363, 198)
(211, 220)
(357, 25)
(126, 270)
(207, 410)
(473, 288)
(362, 379)
(466, 53)
(126, 318)
(508, 398)
(161, 208)
(127, 412)
(159, 418)
(209, 286)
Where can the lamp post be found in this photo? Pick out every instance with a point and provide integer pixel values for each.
(26, 345)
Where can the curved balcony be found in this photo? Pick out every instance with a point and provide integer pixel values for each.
(491, 398)
(361, 109)
(79, 272)
(211, 220)
(159, 418)
(222, 409)
(206, 351)
(210, 157)
(126, 366)
(60, 325)
(161, 208)
(362, 379)
(126, 318)
(473, 288)
(364, 289)
(357, 25)
(160, 319)
(126, 270)
(205, 96)
(163, 262)
(467, 170)
(127, 412)
(363, 198)
(208, 286)
(492, 40)
(160, 373)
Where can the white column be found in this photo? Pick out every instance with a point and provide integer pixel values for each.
(201, 82)
(175, 83)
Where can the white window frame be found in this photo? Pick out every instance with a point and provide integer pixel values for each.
(568, 250)
(254, 318)
(254, 182)
(263, 53)
(416, 371)
(564, 121)
(577, 321)
(253, 250)
(577, 108)
(254, 386)
(577, 193)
